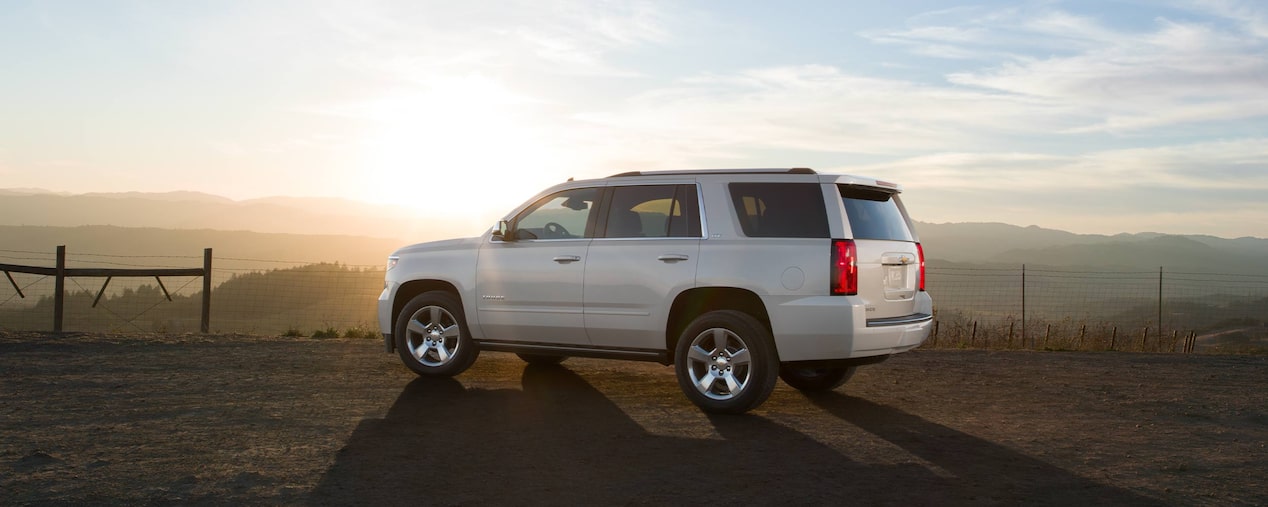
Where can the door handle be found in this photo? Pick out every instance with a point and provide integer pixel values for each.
(672, 258)
(564, 259)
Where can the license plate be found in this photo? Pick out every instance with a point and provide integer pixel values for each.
(895, 277)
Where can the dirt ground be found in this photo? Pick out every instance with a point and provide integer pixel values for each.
(190, 420)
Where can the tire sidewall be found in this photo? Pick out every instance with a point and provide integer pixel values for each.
(764, 361)
(467, 349)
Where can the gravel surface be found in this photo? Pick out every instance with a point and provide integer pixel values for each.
(189, 420)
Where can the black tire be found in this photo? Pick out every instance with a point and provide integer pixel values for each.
(815, 379)
(438, 342)
(541, 358)
(707, 369)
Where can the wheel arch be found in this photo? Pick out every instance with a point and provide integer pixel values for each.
(697, 301)
(412, 288)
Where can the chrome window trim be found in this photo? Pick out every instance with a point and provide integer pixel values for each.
(655, 238)
(553, 240)
(704, 223)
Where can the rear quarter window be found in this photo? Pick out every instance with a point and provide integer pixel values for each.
(780, 210)
(874, 214)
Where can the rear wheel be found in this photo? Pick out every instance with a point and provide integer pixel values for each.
(431, 335)
(541, 358)
(726, 362)
(816, 379)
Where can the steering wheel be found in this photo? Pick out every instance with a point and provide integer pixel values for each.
(555, 230)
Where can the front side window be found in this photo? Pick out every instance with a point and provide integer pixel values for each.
(780, 210)
(652, 211)
(562, 215)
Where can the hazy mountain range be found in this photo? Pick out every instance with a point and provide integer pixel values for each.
(195, 210)
(328, 229)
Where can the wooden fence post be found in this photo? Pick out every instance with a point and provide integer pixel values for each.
(59, 289)
(1113, 338)
(1144, 337)
(1023, 306)
(206, 317)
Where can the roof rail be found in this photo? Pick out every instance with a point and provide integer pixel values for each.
(795, 170)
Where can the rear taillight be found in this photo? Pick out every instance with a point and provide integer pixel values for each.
(920, 253)
(845, 268)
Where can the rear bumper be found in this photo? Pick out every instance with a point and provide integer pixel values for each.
(836, 327)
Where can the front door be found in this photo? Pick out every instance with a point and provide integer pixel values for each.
(529, 287)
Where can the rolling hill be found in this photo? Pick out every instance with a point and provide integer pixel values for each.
(329, 229)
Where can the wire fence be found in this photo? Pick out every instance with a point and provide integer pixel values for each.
(252, 296)
(1066, 309)
(975, 307)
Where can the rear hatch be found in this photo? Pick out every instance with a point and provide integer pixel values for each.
(888, 257)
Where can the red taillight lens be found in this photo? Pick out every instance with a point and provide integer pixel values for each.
(920, 252)
(845, 268)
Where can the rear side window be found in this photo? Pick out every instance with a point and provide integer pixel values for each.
(874, 214)
(653, 211)
(780, 210)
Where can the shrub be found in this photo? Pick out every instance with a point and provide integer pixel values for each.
(361, 331)
(329, 332)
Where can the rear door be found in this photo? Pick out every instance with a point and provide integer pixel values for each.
(645, 252)
(888, 256)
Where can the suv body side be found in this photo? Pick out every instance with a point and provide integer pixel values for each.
(628, 296)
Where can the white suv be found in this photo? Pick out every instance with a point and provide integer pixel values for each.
(735, 277)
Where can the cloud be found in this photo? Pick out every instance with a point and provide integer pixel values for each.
(1234, 165)
(1181, 188)
(816, 108)
(416, 40)
(1177, 72)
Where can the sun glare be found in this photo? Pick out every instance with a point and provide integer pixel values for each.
(462, 151)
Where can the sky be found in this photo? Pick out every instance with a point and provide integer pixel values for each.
(1101, 116)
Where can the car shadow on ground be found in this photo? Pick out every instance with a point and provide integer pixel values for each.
(561, 441)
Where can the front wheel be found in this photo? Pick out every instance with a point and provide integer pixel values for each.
(816, 379)
(431, 335)
(726, 362)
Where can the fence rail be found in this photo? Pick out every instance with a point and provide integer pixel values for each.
(60, 273)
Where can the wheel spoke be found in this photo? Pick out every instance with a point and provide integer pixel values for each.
(441, 352)
(740, 358)
(451, 331)
(732, 385)
(420, 351)
(415, 326)
(719, 340)
(435, 315)
(706, 382)
(698, 354)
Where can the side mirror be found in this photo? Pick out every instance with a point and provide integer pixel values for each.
(501, 231)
